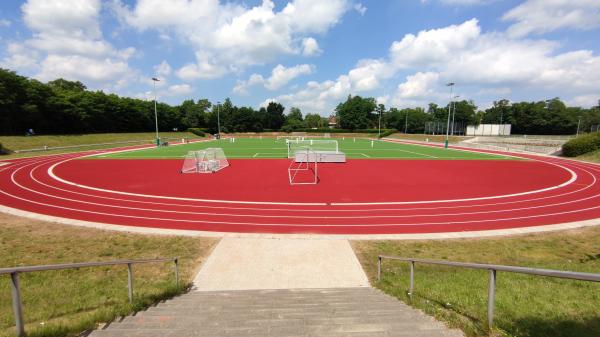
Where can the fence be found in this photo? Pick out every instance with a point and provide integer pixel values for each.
(16, 291)
(493, 269)
(439, 128)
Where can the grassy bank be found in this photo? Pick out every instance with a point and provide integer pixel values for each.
(15, 143)
(593, 157)
(525, 305)
(59, 303)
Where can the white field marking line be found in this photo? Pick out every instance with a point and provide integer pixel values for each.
(573, 178)
(316, 210)
(281, 216)
(366, 156)
(251, 224)
(288, 216)
(256, 154)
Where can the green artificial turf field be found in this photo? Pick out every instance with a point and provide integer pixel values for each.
(271, 148)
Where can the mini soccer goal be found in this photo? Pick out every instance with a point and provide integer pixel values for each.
(304, 172)
(209, 160)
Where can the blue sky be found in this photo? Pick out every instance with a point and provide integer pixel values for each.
(311, 53)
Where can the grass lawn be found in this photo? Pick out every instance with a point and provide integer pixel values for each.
(525, 305)
(15, 143)
(270, 148)
(59, 303)
(593, 156)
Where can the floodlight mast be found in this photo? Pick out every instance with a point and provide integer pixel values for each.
(451, 85)
(218, 121)
(454, 112)
(154, 80)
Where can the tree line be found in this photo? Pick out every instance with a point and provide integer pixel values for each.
(67, 107)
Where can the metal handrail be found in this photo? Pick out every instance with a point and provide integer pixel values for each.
(16, 291)
(493, 268)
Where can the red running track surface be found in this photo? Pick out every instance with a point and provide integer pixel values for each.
(413, 188)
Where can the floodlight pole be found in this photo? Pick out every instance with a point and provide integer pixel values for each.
(451, 85)
(218, 121)
(154, 80)
(454, 112)
(406, 122)
(379, 130)
(578, 123)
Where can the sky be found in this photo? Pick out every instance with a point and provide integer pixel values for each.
(311, 54)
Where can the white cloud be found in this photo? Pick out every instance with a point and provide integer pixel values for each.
(5, 23)
(586, 101)
(542, 16)
(360, 8)
(163, 69)
(67, 42)
(232, 36)
(178, 90)
(462, 54)
(280, 76)
(310, 47)
(81, 68)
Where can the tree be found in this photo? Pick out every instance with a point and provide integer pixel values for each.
(194, 114)
(294, 113)
(65, 85)
(356, 112)
(275, 117)
(313, 121)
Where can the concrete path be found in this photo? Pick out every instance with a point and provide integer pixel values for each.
(290, 313)
(253, 263)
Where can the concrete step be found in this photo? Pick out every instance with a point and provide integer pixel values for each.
(292, 313)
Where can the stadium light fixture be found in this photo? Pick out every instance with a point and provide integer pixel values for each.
(154, 80)
(451, 85)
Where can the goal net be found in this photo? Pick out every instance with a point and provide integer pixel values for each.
(303, 172)
(204, 161)
(314, 145)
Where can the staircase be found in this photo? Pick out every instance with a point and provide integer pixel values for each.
(333, 312)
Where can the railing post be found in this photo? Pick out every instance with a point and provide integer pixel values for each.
(16, 301)
(379, 268)
(491, 298)
(130, 282)
(176, 261)
(412, 278)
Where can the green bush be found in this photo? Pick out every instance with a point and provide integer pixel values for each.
(197, 131)
(387, 133)
(3, 150)
(582, 144)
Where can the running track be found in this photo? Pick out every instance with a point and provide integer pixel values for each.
(33, 185)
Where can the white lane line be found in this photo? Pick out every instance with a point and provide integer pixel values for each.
(328, 210)
(31, 172)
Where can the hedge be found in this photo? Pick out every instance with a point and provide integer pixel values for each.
(581, 145)
(197, 131)
(344, 130)
(387, 133)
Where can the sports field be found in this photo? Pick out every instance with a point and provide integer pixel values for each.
(355, 148)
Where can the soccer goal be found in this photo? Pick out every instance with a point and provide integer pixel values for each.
(304, 172)
(209, 160)
(315, 145)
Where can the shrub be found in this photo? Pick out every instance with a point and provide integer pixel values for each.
(582, 144)
(4, 150)
(387, 133)
(197, 131)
